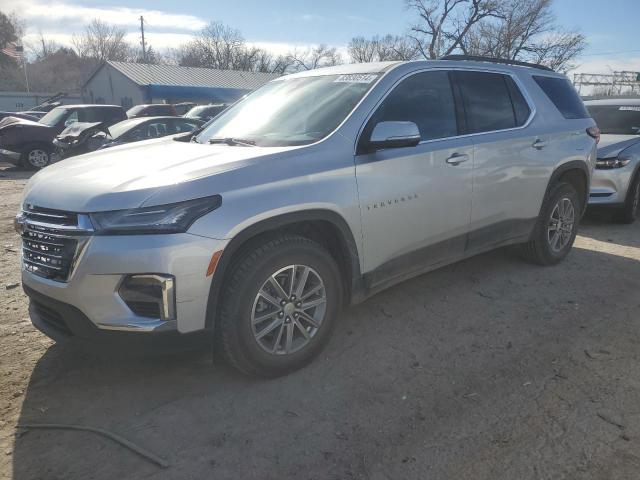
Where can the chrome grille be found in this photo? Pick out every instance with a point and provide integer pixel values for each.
(51, 241)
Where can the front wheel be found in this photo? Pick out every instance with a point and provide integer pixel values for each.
(556, 227)
(279, 306)
(36, 157)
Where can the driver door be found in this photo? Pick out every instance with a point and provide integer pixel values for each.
(415, 201)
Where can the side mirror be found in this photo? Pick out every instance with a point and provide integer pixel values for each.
(394, 135)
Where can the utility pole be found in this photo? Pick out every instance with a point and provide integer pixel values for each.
(144, 47)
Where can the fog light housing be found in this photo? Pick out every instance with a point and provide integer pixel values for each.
(150, 295)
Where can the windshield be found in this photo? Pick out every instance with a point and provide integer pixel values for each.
(54, 116)
(616, 119)
(288, 112)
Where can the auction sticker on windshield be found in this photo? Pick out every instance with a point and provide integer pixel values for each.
(356, 78)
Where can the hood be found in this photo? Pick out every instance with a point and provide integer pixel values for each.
(145, 173)
(77, 129)
(611, 145)
(13, 121)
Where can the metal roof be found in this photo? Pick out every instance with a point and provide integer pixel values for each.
(619, 101)
(145, 74)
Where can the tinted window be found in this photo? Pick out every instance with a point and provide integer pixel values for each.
(563, 95)
(425, 99)
(616, 119)
(520, 107)
(91, 114)
(487, 101)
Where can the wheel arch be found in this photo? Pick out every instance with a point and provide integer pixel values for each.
(324, 226)
(576, 173)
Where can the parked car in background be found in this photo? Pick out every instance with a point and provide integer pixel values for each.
(22, 115)
(30, 144)
(206, 112)
(152, 110)
(184, 107)
(258, 232)
(88, 137)
(616, 180)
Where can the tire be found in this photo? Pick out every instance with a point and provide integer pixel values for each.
(629, 213)
(246, 315)
(36, 156)
(545, 247)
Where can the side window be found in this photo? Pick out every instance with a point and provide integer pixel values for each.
(520, 107)
(90, 115)
(425, 99)
(563, 95)
(71, 119)
(182, 126)
(487, 103)
(157, 129)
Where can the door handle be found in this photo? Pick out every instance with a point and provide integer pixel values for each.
(539, 144)
(457, 158)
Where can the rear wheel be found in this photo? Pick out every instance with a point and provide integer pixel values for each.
(35, 157)
(280, 306)
(556, 228)
(629, 213)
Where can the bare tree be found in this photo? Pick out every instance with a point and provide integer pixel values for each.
(443, 24)
(42, 47)
(380, 49)
(215, 46)
(314, 57)
(102, 41)
(220, 46)
(525, 30)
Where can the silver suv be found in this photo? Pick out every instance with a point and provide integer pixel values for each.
(314, 192)
(616, 180)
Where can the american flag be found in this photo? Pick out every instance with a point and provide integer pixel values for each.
(13, 50)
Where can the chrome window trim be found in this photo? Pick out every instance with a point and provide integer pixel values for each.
(523, 91)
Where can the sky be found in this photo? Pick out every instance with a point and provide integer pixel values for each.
(611, 26)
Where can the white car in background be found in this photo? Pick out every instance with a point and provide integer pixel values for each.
(616, 180)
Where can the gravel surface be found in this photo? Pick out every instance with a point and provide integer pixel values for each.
(487, 369)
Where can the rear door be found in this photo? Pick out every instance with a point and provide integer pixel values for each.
(415, 201)
(508, 167)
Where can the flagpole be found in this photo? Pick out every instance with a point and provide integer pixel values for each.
(24, 64)
(26, 77)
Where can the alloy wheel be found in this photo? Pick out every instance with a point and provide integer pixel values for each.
(560, 227)
(38, 158)
(288, 309)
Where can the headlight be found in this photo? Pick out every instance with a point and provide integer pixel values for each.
(171, 218)
(612, 162)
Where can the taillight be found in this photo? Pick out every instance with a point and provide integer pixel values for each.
(594, 132)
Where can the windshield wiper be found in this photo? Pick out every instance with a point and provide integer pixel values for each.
(233, 141)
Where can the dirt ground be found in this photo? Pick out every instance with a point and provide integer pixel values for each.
(487, 369)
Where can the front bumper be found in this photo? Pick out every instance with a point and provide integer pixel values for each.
(609, 186)
(9, 156)
(91, 292)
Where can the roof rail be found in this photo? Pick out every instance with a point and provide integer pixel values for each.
(477, 58)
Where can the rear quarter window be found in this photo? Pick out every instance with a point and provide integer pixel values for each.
(563, 95)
